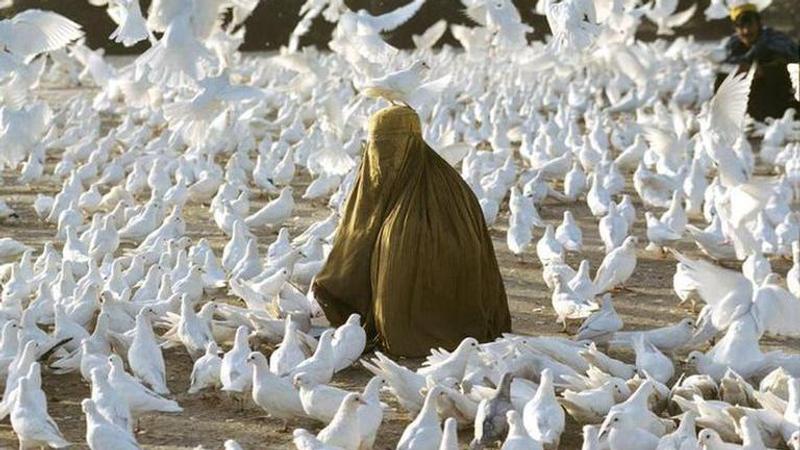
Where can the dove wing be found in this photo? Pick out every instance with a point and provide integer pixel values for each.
(729, 105)
(660, 9)
(555, 18)
(392, 20)
(350, 111)
(241, 93)
(454, 153)
(333, 110)
(682, 17)
(162, 12)
(713, 283)
(747, 200)
(293, 61)
(630, 65)
(476, 13)
(35, 31)
(430, 90)
(431, 36)
(660, 141)
(776, 311)
(242, 10)
(300, 30)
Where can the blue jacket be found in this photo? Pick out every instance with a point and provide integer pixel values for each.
(771, 46)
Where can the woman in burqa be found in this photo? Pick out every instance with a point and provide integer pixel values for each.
(412, 254)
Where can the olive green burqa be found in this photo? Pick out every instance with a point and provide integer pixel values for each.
(412, 254)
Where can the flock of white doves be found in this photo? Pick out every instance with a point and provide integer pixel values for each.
(192, 122)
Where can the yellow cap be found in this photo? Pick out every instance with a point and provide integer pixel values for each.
(738, 11)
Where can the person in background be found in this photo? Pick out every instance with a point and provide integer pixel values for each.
(771, 93)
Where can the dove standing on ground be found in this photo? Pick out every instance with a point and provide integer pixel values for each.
(568, 304)
(569, 233)
(273, 213)
(348, 343)
(289, 352)
(153, 142)
(652, 362)
(622, 433)
(319, 367)
(271, 393)
(518, 438)
(602, 324)
(234, 373)
(684, 438)
(424, 432)
(592, 405)
(144, 354)
(490, 422)
(206, 370)
(103, 434)
(110, 403)
(543, 416)
(617, 266)
(658, 233)
(140, 399)
(343, 430)
(31, 422)
(194, 333)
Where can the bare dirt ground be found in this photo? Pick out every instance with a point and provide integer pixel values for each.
(209, 419)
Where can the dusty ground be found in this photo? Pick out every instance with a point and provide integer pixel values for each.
(210, 419)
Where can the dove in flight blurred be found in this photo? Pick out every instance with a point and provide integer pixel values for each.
(34, 31)
(180, 57)
(721, 124)
(131, 25)
(502, 21)
(192, 118)
(572, 23)
(664, 14)
(357, 34)
(22, 38)
(431, 36)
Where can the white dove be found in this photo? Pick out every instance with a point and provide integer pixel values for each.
(617, 266)
(234, 374)
(102, 433)
(206, 370)
(424, 431)
(343, 430)
(144, 354)
(271, 393)
(348, 343)
(30, 421)
(405, 86)
(543, 416)
(275, 212)
(602, 324)
(652, 362)
(132, 27)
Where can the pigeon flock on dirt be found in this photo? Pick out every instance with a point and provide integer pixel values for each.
(193, 134)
